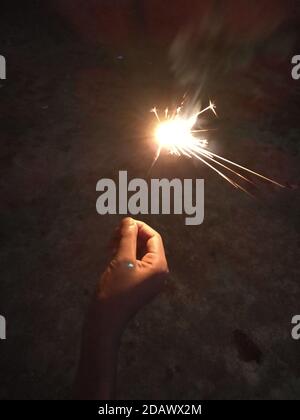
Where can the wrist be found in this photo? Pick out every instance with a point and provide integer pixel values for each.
(102, 323)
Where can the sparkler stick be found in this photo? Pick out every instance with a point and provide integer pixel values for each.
(176, 135)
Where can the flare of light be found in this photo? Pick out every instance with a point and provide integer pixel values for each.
(175, 133)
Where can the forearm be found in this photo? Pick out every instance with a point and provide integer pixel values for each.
(96, 375)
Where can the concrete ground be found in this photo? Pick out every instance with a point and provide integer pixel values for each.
(74, 110)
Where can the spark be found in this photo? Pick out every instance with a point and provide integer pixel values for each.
(176, 134)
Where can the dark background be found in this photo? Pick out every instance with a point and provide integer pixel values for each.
(81, 79)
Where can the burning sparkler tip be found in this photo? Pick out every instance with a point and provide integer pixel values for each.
(176, 134)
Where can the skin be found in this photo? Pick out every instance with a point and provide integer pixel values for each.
(136, 273)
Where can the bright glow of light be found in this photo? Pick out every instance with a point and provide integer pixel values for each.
(177, 135)
(175, 132)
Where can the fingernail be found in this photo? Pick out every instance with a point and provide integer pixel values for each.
(129, 221)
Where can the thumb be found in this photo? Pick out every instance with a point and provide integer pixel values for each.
(128, 240)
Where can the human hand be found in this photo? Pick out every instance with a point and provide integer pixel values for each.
(129, 282)
(135, 275)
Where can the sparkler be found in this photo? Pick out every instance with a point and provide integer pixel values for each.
(176, 134)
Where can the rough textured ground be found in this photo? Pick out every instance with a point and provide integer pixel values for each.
(72, 112)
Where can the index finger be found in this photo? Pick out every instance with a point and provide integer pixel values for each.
(153, 240)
